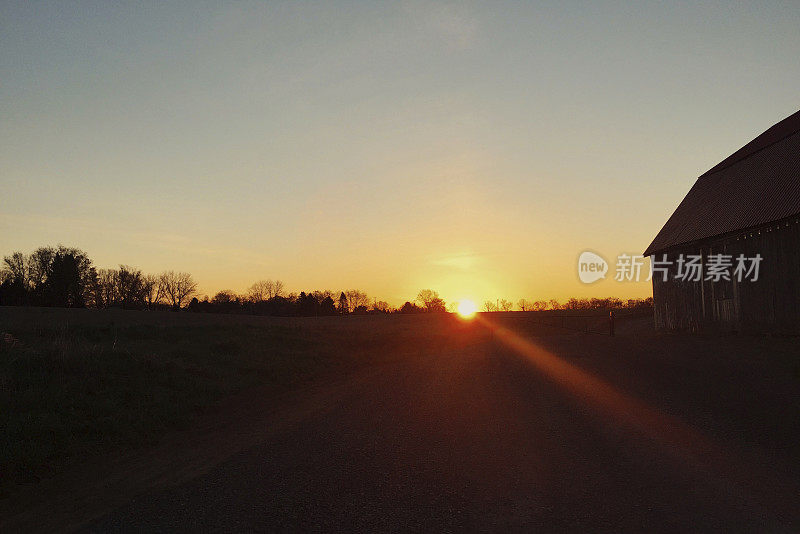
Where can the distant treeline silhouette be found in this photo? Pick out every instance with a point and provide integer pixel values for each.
(66, 277)
(610, 303)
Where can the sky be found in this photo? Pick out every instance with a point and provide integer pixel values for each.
(472, 148)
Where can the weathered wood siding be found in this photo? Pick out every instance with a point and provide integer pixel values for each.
(771, 304)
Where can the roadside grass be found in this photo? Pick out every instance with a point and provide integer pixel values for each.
(78, 390)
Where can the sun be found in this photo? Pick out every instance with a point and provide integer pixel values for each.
(466, 308)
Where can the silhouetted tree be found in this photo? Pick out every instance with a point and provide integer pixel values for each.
(594, 303)
(343, 307)
(16, 266)
(410, 307)
(430, 300)
(177, 287)
(152, 291)
(68, 278)
(277, 289)
(327, 306)
(130, 287)
(39, 264)
(506, 305)
(539, 305)
(264, 290)
(226, 296)
(14, 289)
(356, 298)
(307, 305)
(320, 295)
(258, 292)
(280, 306)
(106, 288)
(225, 301)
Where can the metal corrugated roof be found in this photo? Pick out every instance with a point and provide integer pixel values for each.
(756, 185)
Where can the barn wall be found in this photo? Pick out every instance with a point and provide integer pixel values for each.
(677, 305)
(770, 304)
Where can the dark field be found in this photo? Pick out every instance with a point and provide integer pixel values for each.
(77, 382)
(132, 421)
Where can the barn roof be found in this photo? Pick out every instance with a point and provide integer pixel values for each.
(756, 185)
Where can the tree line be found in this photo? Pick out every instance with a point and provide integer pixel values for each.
(267, 297)
(66, 277)
(610, 303)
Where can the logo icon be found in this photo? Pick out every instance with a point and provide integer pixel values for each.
(591, 267)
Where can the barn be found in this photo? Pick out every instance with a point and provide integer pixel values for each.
(729, 256)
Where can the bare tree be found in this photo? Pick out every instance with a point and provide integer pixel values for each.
(356, 298)
(277, 289)
(524, 304)
(265, 290)
(152, 290)
(177, 287)
(130, 287)
(259, 291)
(539, 305)
(38, 265)
(107, 287)
(489, 306)
(381, 306)
(506, 305)
(17, 266)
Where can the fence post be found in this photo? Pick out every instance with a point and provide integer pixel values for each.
(611, 323)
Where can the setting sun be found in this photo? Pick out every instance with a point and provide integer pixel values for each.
(467, 308)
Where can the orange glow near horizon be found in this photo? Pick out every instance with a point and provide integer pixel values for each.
(467, 309)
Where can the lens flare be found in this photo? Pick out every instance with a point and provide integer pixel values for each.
(467, 309)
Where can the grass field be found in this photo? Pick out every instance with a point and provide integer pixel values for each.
(77, 383)
(81, 382)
